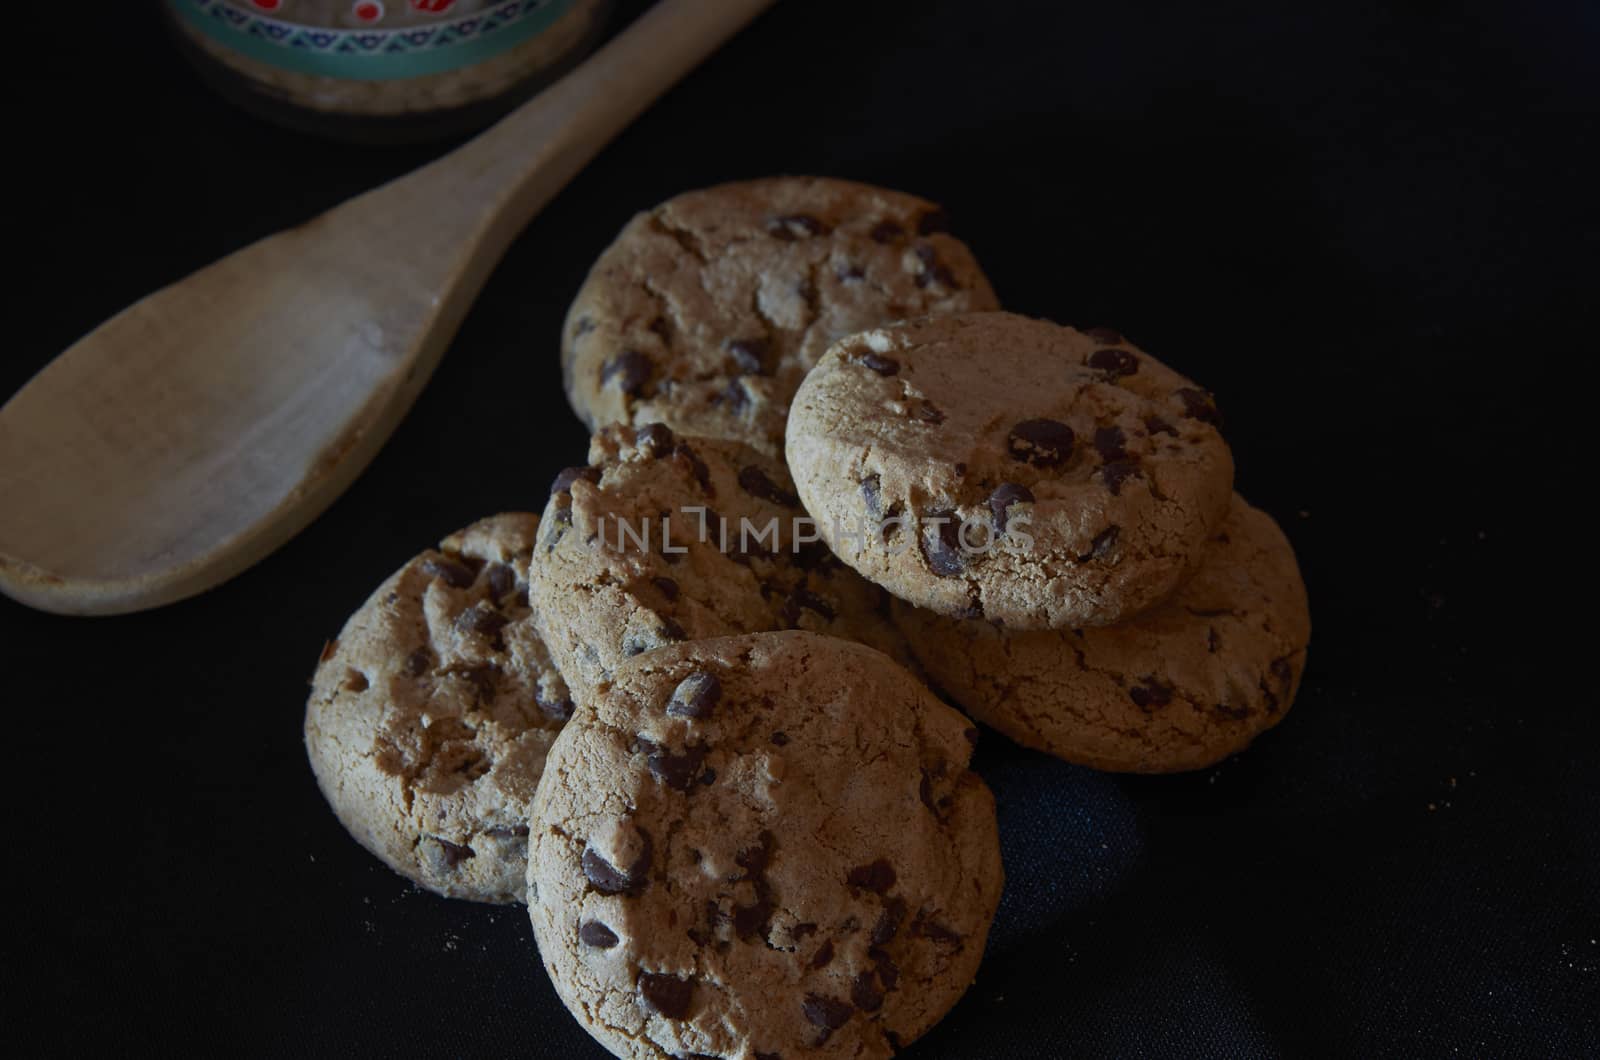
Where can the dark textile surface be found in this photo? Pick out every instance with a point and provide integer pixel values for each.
(1371, 229)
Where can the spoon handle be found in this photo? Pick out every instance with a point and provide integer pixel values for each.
(576, 117)
(481, 195)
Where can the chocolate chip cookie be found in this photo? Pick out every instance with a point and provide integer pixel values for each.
(431, 714)
(762, 846)
(665, 538)
(709, 309)
(1179, 687)
(988, 465)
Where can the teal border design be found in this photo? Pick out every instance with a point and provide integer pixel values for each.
(372, 54)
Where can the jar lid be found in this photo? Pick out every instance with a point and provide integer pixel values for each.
(370, 40)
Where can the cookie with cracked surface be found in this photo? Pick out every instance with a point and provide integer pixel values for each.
(1180, 687)
(665, 538)
(708, 310)
(762, 846)
(431, 714)
(990, 465)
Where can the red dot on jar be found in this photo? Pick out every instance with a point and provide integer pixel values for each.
(369, 10)
(268, 5)
(434, 6)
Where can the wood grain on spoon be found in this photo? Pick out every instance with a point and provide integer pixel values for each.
(201, 428)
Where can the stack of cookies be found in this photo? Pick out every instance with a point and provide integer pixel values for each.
(692, 713)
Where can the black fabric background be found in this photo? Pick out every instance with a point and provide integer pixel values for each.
(1371, 228)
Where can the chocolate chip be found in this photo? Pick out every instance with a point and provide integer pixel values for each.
(456, 575)
(928, 412)
(1235, 713)
(780, 739)
(750, 921)
(749, 354)
(484, 679)
(1283, 674)
(567, 476)
(795, 226)
(668, 587)
(935, 220)
(754, 860)
(483, 621)
(878, 363)
(877, 877)
(501, 580)
(925, 926)
(734, 395)
(885, 232)
(759, 484)
(1110, 443)
(593, 933)
(1041, 442)
(1152, 695)
(889, 921)
(1199, 405)
(850, 272)
(827, 1012)
(418, 663)
(454, 853)
(697, 467)
(1115, 473)
(584, 325)
(677, 772)
(941, 543)
(807, 290)
(1157, 425)
(871, 496)
(933, 270)
(654, 440)
(695, 696)
(608, 879)
(356, 681)
(864, 992)
(800, 931)
(671, 630)
(1113, 362)
(1103, 542)
(824, 955)
(888, 972)
(666, 994)
(1004, 496)
(1213, 640)
(1109, 336)
(631, 369)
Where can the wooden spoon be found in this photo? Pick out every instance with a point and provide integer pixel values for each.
(198, 430)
